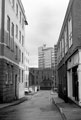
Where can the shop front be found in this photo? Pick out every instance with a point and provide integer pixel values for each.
(74, 77)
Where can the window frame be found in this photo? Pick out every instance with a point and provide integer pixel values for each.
(16, 9)
(70, 31)
(16, 31)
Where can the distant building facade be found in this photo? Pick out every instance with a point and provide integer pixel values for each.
(41, 77)
(69, 54)
(12, 37)
(55, 67)
(45, 57)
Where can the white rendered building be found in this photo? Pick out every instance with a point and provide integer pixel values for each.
(26, 69)
(12, 37)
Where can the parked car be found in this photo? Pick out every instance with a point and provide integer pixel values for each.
(31, 90)
(26, 91)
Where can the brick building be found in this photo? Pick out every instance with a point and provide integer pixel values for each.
(41, 77)
(69, 54)
(12, 36)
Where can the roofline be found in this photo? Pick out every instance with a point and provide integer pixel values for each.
(23, 11)
(65, 18)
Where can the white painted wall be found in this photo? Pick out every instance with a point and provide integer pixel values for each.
(27, 67)
(79, 77)
(11, 12)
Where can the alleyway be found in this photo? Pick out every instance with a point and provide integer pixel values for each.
(40, 107)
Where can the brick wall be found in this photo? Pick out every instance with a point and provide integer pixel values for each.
(75, 10)
(7, 90)
(77, 23)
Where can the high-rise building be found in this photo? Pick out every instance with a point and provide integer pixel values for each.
(12, 38)
(45, 57)
(40, 57)
(55, 55)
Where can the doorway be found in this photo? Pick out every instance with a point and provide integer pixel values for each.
(16, 96)
(75, 83)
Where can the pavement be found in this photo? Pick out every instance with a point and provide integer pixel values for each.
(69, 111)
(16, 102)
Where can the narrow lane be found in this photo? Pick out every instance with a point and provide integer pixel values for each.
(40, 107)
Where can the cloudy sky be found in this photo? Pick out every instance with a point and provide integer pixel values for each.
(45, 19)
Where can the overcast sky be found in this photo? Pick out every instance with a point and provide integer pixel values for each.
(45, 19)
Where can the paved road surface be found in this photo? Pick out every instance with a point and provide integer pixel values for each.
(40, 107)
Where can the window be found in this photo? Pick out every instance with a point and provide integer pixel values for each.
(62, 47)
(12, 34)
(22, 40)
(65, 38)
(22, 75)
(8, 23)
(11, 75)
(8, 29)
(6, 77)
(13, 3)
(22, 22)
(17, 9)
(7, 74)
(16, 31)
(12, 30)
(70, 31)
(19, 75)
(22, 57)
(16, 52)
(20, 36)
(20, 17)
(19, 55)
